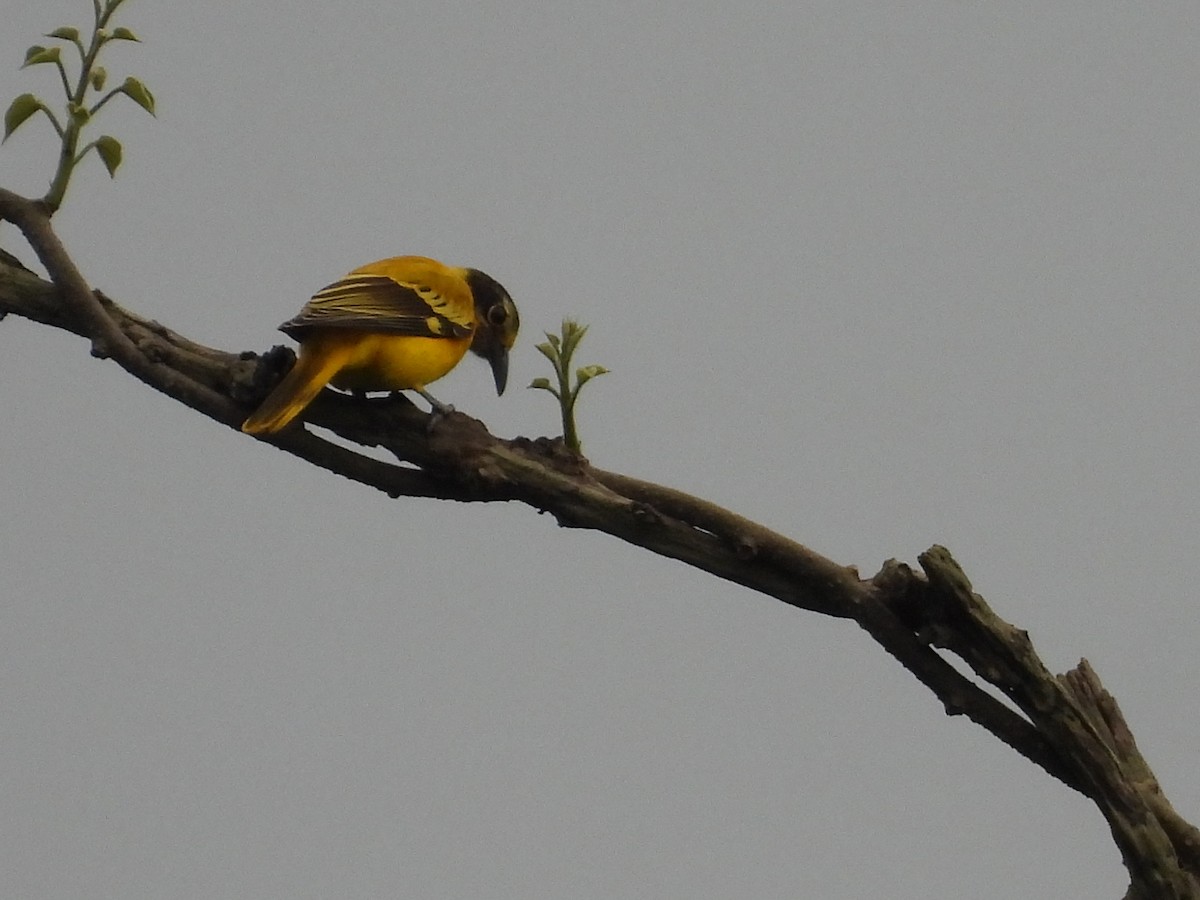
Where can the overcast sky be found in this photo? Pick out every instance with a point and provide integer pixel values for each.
(877, 275)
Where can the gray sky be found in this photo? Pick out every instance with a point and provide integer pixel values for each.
(876, 276)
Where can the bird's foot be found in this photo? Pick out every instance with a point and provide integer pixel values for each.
(439, 408)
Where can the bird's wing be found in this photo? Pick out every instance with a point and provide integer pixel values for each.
(383, 303)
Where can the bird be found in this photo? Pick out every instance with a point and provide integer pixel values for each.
(392, 325)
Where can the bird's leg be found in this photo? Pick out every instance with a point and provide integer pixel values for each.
(439, 408)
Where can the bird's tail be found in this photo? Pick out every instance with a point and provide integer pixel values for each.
(312, 371)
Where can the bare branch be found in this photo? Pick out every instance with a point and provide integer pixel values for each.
(1069, 726)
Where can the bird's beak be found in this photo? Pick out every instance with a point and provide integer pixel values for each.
(498, 359)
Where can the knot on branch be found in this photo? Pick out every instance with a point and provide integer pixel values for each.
(746, 547)
(554, 453)
(645, 515)
(461, 449)
(269, 368)
(905, 593)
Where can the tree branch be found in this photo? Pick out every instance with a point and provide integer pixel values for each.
(1069, 726)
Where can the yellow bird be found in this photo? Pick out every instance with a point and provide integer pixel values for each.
(393, 325)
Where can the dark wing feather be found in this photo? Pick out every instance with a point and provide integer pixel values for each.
(379, 303)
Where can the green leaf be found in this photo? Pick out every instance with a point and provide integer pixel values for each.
(97, 78)
(123, 34)
(548, 351)
(587, 373)
(109, 149)
(18, 111)
(79, 114)
(36, 55)
(66, 33)
(573, 333)
(139, 94)
(543, 384)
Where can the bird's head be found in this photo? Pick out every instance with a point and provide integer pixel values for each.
(497, 324)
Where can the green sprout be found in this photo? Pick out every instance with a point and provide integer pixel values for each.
(560, 350)
(80, 105)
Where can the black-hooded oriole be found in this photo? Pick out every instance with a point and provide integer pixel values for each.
(396, 324)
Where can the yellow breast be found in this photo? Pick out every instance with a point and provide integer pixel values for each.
(389, 362)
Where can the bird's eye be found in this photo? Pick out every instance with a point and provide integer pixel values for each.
(497, 315)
